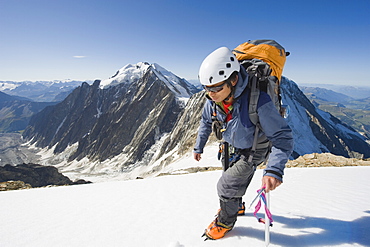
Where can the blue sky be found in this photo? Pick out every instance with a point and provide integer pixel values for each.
(85, 40)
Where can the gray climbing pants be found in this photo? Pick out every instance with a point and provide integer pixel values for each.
(233, 184)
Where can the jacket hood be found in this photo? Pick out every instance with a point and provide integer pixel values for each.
(242, 82)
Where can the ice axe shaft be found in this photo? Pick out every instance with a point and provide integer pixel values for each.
(267, 221)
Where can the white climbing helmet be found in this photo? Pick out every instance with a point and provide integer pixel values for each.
(218, 66)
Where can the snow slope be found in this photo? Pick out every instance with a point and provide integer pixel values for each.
(314, 207)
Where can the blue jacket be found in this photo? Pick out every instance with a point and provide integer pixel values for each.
(240, 130)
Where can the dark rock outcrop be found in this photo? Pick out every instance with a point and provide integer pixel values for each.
(35, 175)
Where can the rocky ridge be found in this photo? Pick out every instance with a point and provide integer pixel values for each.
(14, 185)
(307, 160)
(325, 160)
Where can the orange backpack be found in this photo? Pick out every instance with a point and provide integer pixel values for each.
(264, 60)
(266, 50)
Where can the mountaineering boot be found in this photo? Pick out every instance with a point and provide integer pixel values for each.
(241, 209)
(216, 230)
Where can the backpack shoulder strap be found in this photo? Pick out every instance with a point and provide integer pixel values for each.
(254, 118)
(254, 95)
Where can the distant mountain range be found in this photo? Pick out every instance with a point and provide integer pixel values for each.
(15, 112)
(353, 112)
(356, 92)
(20, 100)
(40, 91)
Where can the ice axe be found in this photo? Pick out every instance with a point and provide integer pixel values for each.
(265, 197)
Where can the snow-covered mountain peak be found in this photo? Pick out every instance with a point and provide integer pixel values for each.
(126, 74)
(132, 72)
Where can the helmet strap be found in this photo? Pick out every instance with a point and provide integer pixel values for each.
(232, 91)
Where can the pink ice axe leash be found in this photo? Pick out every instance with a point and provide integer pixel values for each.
(262, 197)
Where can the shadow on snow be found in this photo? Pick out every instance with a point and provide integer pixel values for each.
(327, 231)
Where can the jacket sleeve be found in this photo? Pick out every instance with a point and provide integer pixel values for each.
(205, 128)
(279, 133)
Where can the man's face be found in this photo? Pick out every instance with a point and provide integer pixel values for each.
(218, 92)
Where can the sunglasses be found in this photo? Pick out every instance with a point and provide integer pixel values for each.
(215, 89)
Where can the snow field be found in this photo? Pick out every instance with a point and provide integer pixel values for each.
(313, 207)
